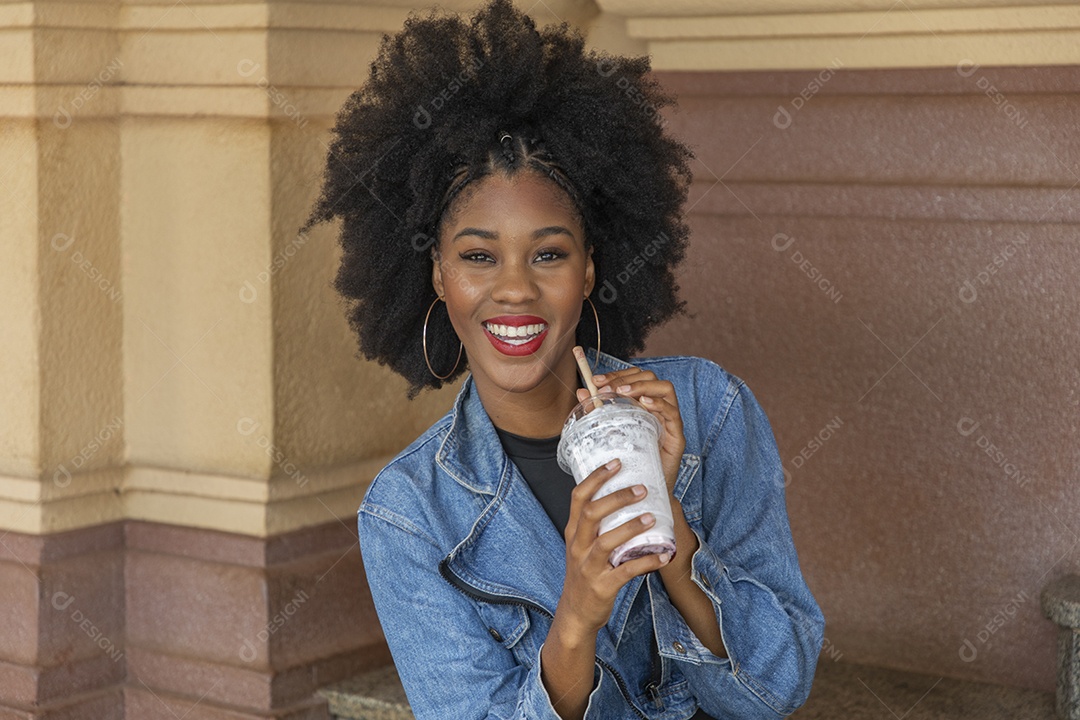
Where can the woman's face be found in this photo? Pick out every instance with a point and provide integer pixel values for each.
(513, 269)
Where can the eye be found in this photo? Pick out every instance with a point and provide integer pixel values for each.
(475, 257)
(550, 255)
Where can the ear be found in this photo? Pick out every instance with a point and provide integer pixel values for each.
(590, 273)
(436, 272)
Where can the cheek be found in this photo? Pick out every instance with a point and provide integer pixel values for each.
(570, 286)
(462, 296)
(459, 285)
(567, 296)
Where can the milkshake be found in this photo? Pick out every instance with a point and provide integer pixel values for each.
(610, 426)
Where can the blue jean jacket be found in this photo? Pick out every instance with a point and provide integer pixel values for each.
(466, 570)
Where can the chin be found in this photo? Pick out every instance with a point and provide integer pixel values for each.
(520, 379)
(517, 374)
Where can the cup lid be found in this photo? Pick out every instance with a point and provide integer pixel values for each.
(588, 406)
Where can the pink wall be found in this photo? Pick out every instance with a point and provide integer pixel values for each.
(828, 268)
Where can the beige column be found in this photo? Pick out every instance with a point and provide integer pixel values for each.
(185, 428)
(61, 285)
(242, 385)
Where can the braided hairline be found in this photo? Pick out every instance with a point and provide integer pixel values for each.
(536, 157)
(540, 159)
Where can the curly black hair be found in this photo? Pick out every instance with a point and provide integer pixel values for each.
(428, 122)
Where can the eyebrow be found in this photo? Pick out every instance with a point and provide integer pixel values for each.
(490, 235)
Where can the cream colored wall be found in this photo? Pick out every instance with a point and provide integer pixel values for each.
(172, 349)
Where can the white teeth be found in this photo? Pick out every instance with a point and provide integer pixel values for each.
(516, 335)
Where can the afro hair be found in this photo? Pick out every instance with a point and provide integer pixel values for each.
(432, 119)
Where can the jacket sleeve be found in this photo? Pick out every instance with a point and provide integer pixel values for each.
(746, 564)
(449, 664)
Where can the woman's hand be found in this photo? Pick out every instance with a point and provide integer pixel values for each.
(591, 583)
(658, 397)
(590, 587)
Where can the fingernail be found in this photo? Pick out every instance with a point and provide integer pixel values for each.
(646, 399)
(612, 464)
(623, 388)
(646, 519)
(664, 557)
(598, 378)
(639, 490)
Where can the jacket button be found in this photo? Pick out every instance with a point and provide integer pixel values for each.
(679, 647)
(495, 634)
(706, 583)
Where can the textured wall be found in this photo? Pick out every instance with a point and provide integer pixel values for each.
(926, 414)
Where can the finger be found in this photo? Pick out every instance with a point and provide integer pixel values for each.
(596, 557)
(594, 480)
(601, 508)
(583, 493)
(669, 417)
(660, 399)
(591, 509)
(652, 388)
(629, 377)
(607, 378)
(660, 405)
(583, 393)
(625, 532)
(639, 566)
(670, 420)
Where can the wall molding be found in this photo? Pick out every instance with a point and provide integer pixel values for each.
(686, 35)
(246, 506)
(286, 62)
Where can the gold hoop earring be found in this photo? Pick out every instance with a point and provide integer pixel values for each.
(424, 340)
(597, 318)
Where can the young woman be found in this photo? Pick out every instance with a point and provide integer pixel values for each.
(504, 196)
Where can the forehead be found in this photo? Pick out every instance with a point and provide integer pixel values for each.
(526, 197)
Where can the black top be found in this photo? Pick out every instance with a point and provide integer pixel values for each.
(536, 459)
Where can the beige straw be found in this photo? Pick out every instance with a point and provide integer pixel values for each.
(586, 374)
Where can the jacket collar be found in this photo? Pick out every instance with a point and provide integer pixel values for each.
(511, 535)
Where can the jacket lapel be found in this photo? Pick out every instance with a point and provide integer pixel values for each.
(512, 551)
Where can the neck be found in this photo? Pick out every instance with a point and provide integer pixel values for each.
(538, 412)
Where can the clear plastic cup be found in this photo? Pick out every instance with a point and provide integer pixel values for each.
(621, 428)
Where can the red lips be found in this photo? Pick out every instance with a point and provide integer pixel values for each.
(516, 321)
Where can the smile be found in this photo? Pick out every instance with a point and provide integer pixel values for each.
(516, 336)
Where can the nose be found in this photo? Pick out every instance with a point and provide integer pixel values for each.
(515, 284)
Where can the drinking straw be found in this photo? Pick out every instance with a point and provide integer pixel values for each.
(586, 374)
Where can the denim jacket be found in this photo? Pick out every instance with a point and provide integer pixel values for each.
(466, 569)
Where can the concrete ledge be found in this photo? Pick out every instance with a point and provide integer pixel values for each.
(1061, 604)
(376, 695)
(841, 690)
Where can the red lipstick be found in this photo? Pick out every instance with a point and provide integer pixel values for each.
(516, 320)
(511, 349)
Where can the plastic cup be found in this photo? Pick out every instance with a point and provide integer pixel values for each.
(621, 428)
